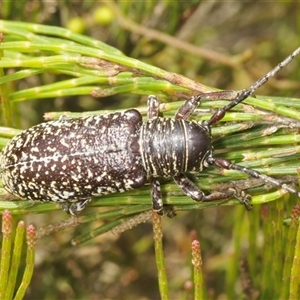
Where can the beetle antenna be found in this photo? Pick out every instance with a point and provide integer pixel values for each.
(244, 94)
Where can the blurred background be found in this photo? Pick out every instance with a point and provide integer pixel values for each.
(227, 45)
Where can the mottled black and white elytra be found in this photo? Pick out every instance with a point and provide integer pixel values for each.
(71, 160)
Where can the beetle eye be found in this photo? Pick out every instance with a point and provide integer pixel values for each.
(209, 159)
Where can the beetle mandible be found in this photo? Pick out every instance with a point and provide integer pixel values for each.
(73, 159)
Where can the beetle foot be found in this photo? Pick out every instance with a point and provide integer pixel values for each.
(74, 208)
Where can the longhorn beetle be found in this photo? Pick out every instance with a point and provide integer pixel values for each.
(73, 159)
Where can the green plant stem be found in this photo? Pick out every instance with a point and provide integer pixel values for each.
(159, 255)
(5, 252)
(16, 258)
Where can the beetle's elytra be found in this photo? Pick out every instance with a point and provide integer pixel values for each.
(71, 160)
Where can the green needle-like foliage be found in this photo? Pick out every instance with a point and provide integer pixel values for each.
(11, 258)
(244, 255)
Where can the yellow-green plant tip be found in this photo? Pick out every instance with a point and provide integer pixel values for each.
(16, 259)
(5, 251)
(197, 267)
(30, 258)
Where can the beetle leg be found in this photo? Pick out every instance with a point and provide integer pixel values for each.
(243, 197)
(188, 187)
(228, 165)
(191, 190)
(74, 208)
(188, 107)
(157, 202)
(153, 107)
(237, 96)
